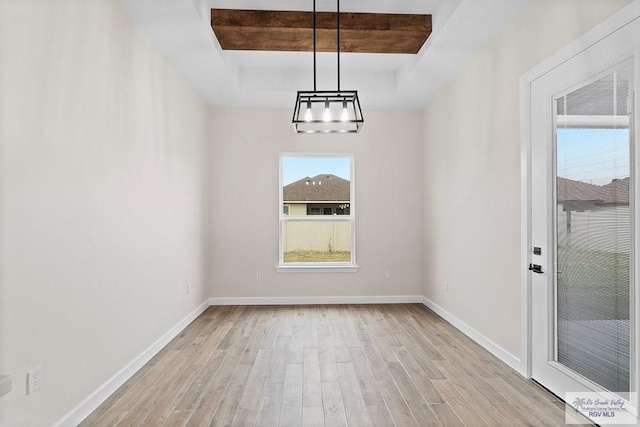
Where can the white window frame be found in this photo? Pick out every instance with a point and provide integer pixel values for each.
(317, 267)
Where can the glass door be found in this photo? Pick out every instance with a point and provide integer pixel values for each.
(593, 229)
(584, 222)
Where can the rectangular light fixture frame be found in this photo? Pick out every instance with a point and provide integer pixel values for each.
(309, 116)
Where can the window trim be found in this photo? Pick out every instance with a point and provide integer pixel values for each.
(318, 267)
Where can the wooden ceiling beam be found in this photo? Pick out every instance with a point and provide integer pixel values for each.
(293, 31)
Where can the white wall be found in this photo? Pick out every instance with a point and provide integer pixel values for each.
(472, 171)
(105, 206)
(103, 200)
(388, 179)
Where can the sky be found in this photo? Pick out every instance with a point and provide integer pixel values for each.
(295, 168)
(595, 156)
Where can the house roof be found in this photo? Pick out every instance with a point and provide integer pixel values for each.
(320, 188)
(617, 191)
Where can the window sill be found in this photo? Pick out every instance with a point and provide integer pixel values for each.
(317, 268)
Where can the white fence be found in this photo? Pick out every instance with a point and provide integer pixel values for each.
(324, 236)
(607, 229)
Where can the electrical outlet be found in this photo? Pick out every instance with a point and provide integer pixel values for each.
(387, 274)
(446, 286)
(258, 276)
(34, 380)
(188, 289)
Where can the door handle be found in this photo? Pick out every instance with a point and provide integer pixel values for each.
(535, 268)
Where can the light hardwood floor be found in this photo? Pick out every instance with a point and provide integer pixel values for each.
(337, 365)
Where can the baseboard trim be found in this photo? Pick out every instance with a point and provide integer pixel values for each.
(378, 299)
(88, 405)
(485, 342)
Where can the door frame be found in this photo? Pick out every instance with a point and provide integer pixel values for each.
(610, 25)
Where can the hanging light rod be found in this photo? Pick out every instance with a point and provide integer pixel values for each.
(327, 111)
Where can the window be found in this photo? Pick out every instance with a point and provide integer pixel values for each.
(317, 228)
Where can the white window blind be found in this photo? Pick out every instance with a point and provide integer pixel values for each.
(593, 229)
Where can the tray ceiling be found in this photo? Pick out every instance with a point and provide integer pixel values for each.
(230, 77)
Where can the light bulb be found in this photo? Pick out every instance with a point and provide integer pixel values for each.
(327, 112)
(308, 115)
(345, 114)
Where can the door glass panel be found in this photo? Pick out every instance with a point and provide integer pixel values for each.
(593, 230)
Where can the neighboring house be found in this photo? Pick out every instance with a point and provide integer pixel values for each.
(580, 196)
(594, 217)
(324, 194)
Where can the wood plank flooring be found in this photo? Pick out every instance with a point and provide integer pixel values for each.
(334, 365)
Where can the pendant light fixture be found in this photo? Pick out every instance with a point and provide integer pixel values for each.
(320, 111)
